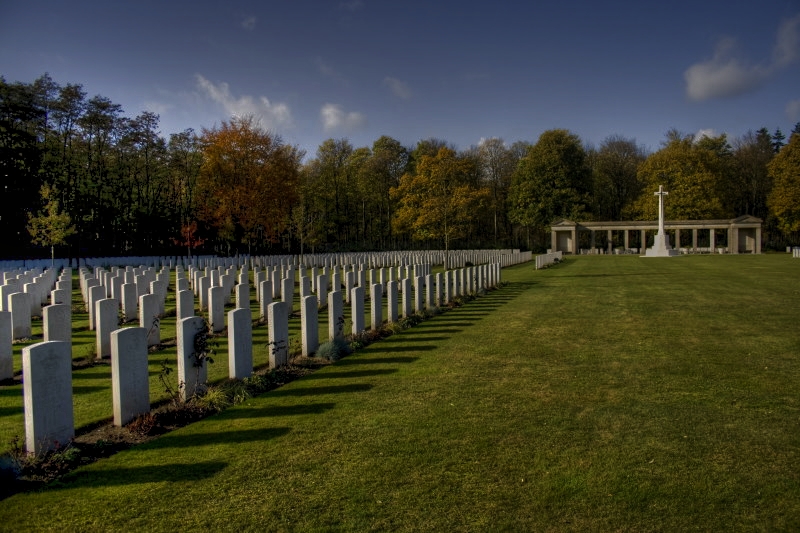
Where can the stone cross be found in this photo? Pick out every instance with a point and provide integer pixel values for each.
(661, 194)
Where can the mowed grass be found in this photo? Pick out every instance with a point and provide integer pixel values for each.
(607, 393)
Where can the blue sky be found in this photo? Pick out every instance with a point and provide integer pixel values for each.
(313, 70)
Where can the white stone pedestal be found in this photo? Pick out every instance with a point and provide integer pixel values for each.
(661, 247)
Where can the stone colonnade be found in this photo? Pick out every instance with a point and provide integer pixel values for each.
(743, 235)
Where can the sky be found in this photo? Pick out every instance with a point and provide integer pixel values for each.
(311, 70)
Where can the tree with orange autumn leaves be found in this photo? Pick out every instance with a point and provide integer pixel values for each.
(440, 200)
(248, 182)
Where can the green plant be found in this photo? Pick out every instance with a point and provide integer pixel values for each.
(333, 350)
(214, 399)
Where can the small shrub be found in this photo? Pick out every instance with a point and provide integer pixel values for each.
(236, 390)
(143, 425)
(333, 350)
(215, 399)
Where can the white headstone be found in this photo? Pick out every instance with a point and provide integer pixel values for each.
(240, 343)
(47, 395)
(130, 383)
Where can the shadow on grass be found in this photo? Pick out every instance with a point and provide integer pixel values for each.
(8, 411)
(91, 375)
(329, 389)
(190, 440)
(140, 474)
(16, 391)
(409, 348)
(274, 410)
(422, 332)
(80, 389)
(351, 374)
(375, 360)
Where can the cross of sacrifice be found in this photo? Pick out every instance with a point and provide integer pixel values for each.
(661, 194)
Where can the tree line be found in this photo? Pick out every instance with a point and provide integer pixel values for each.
(77, 173)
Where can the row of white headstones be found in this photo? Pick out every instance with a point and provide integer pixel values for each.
(142, 292)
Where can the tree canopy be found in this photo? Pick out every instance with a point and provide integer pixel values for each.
(784, 199)
(235, 188)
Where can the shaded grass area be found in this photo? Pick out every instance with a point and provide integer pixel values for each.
(608, 393)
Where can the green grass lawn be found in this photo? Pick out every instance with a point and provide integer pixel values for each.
(607, 393)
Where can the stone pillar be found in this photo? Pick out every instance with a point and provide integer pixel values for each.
(574, 234)
(240, 343)
(677, 245)
(47, 395)
(278, 328)
(758, 240)
(309, 325)
(593, 244)
(130, 383)
(192, 375)
(711, 240)
(626, 237)
(610, 244)
(643, 241)
(57, 323)
(376, 305)
(437, 297)
(357, 309)
(694, 240)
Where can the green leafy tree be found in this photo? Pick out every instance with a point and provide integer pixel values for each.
(51, 227)
(438, 202)
(692, 173)
(552, 181)
(784, 199)
(615, 168)
(777, 140)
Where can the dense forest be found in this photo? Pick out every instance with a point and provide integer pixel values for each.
(82, 179)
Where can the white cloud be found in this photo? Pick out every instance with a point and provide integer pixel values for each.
(707, 132)
(249, 23)
(787, 47)
(271, 115)
(159, 108)
(722, 76)
(793, 110)
(333, 117)
(399, 88)
(725, 75)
